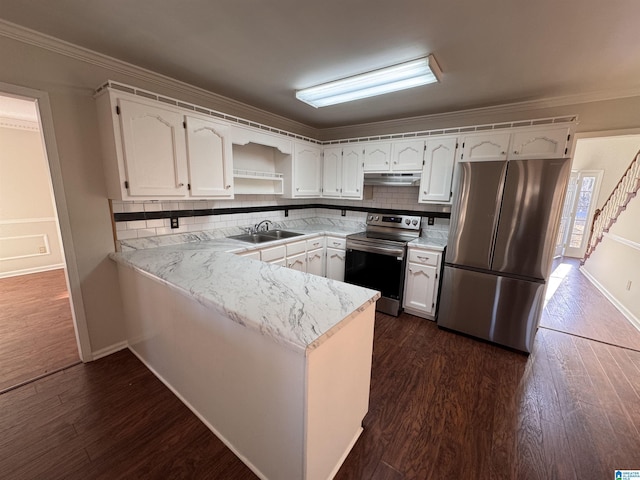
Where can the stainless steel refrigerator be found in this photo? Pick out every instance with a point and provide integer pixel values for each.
(504, 223)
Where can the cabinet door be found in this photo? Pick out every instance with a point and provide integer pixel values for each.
(298, 262)
(437, 172)
(153, 145)
(377, 157)
(209, 158)
(407, 156)
(539, 143)
(352, 172)
(307, 171)
(335, 264)
(485, 147)
(331, 176)
(420, 287)
(315, 263)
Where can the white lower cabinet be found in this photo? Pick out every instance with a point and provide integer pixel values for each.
(334, 260)
(421, 282)
(315, 262)
(297, 262)
(308, 256)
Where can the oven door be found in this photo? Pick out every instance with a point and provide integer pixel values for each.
(379, 268)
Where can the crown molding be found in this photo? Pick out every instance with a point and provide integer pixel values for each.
(47, 42)
(243, 110)
(19, 124)
(411, 123)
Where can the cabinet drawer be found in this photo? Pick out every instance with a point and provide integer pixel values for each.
(424, 257)
(295, 248)
(273, 253)
(314, 243)
(255, 254)
(336, 242)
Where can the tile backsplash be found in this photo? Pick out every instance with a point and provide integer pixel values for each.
(392, 198)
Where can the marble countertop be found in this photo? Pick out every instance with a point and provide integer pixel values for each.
(431, 243)
(296, 309)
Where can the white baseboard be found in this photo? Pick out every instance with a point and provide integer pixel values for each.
(103, 352)
(27, 271)
(635, 321)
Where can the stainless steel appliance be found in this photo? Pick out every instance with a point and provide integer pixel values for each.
(504, 224)
(376, 258)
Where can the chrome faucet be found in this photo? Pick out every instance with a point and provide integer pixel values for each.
(263, 223)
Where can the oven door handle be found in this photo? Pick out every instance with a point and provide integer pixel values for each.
(390, 251)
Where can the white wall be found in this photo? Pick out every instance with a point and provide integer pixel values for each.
(29, 240)
(616, 262)
(611, 154)
(70, 80)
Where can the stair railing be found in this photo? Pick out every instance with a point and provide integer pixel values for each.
(604, 218)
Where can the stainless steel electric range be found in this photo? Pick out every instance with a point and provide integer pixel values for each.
(376, 258)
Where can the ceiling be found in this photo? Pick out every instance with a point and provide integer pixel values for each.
(491, 52)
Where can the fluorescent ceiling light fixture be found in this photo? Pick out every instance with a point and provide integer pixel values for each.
(386, 80)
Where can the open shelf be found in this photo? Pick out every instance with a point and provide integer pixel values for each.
(255, 182)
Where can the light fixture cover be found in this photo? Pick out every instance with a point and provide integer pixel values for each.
(385, 80)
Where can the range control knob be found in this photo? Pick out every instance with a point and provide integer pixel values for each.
(377, 217)
(370, 217)
(407, 221)
(414, 221)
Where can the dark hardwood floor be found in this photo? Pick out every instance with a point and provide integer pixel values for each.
(578, 308)
(36, 327)
(442, 406)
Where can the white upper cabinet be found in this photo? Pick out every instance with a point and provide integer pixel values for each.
(377, 157)
(479, 147)
(332, 172)
(521, 143)
(343, 169)
(209, 158)
(307, 171)
(352, 172)
(550, 142)
(437, 172)
(153, 149)
(407, 156)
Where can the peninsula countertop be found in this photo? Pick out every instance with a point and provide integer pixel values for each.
(296, 309)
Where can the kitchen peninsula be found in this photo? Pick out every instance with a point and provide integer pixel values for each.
(275, 361)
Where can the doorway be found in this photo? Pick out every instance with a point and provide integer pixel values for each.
(39, 328)
(580, 203)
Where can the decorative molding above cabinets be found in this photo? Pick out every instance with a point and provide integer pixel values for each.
(156, 151)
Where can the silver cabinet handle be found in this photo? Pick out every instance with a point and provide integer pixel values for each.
(503, 153)
(337, 189)
(516, 152)
(228, 187)
(423, 258)
(181, 185)
(297, 189)
(386, 163)
(357, 189)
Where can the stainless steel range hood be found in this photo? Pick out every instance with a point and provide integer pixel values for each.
(392, 179)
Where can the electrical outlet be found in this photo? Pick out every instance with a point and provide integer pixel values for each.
(175, 223)
(431, 220)
(343, 213)
(43, 250)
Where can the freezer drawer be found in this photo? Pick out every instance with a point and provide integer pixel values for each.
(499, 309)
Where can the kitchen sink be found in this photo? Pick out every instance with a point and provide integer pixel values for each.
(280, 234)
(253, 238)
(268, 236)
